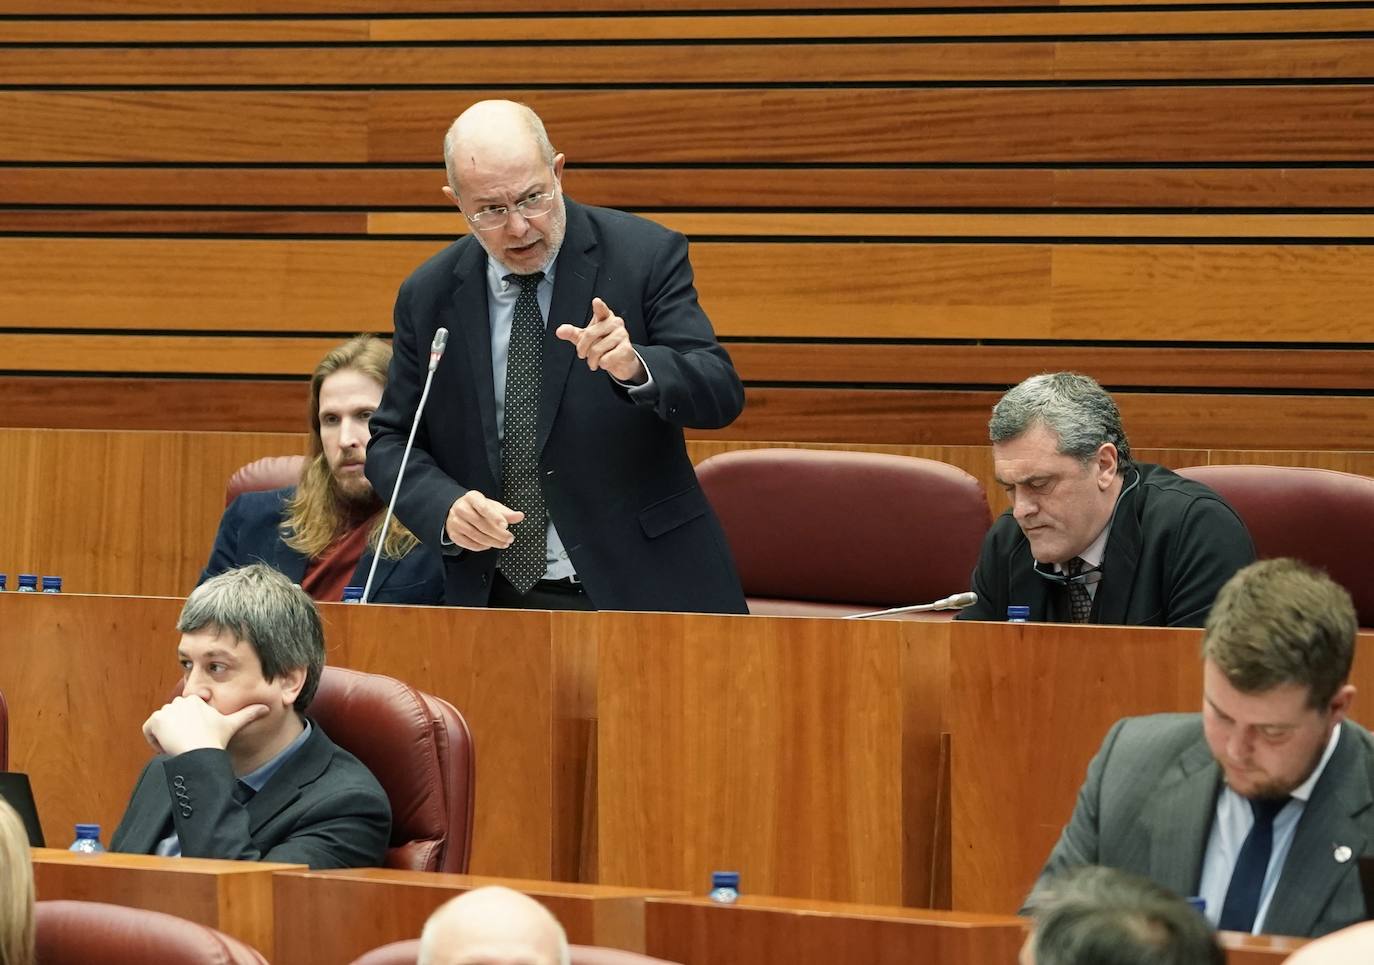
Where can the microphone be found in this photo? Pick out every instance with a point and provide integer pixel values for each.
(436, 352)
(956, 602)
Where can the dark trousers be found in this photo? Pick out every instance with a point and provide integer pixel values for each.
(544, 595)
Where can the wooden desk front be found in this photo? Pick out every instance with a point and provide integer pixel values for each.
(232, 896)
(335, 916)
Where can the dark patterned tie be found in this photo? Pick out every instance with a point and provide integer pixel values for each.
(1080, 600)
(524, 562)
(1252, 864)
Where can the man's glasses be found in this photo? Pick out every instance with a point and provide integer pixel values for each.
(489, 219)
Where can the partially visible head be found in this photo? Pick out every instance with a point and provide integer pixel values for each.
(16, 890)
(1277, 652)
(1102, 916)
(345, 389)
(498, 154)
(493, 926)
(251, 636)
(1349, 946)
(1058, 451)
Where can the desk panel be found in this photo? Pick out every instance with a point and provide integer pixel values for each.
(232, 896)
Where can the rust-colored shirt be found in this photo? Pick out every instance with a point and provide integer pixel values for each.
(327, 574)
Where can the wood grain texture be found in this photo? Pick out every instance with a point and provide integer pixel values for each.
(815, 187)
(1047, 695)
(234, 897)
(893, 62)
(1016, 291)
(695, 26)
(119, 512)
(825, 125)
(165, 354)
(804, 747)
(335, 916)
(446, 7)
(55, 402)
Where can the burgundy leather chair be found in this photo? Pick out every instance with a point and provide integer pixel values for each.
(420, 750)
(269, 472)
(1319, 516)
(830, 532)
(408, 953)
(86, 932)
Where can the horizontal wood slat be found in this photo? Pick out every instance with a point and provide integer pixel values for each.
(773, 225)
(699, 26)
(1147, 124)
(186, 8)
(651, 188)
(690, 63)
(1016, 291)
(896, 417)
(853, 365)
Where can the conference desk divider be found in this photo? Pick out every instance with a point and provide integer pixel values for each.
(646, 750)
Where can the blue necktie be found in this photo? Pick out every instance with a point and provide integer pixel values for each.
(1247, 880)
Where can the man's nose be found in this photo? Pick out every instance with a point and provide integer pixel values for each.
(1238, 746)
(354, 434)
(1022, 505)
(516, 223)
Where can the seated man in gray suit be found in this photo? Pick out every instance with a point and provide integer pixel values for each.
(1093, 536)
(1262, 803)
(241, 772)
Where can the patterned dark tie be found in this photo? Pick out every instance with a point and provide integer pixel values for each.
(524, 562)
(1080, 600)
(1252, 864)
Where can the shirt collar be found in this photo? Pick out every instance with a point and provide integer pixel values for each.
(497, 272)
(258, 779)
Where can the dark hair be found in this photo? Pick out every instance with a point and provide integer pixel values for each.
(262, 607)
(1074, 407)
(1280, 621)
(1102, 916)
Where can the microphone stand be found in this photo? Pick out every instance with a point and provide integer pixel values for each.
(956, 602)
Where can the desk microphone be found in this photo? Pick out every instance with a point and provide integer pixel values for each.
(956, 602)
(436, 352)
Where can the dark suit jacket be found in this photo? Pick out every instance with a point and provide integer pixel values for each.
(322, 808)
(1150, 797)
(249, 532)
(617, 480)
(1173, 544)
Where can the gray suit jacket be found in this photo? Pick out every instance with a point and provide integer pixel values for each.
(1150, 796)
(323, 808)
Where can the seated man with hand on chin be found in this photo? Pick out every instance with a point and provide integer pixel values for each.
(241, 772)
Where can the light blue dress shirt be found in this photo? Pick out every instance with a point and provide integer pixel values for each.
(1231, 826)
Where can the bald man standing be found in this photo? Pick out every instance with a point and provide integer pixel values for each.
(550, 467)
(493, 926)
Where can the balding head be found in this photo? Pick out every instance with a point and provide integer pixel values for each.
(492, 134)
(493, 926)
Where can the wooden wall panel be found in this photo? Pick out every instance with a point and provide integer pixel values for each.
(649, 189)
(1173, 124)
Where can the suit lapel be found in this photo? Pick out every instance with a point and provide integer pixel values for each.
(474, 323)
(1311, 872)
(385, 567)
(303, 768)
(1178, 819)
(1025, 588)
(1119, 562)
(289, 561)
(572, 298)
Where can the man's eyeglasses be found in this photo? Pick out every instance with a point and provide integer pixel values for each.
(489, 219)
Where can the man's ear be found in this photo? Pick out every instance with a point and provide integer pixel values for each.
(1106, 464)
(558, 160)
(448, 193)
(291, 682)
(1340, 704)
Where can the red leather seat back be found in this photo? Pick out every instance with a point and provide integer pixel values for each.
(420, 750)
(1320, 516)
(860, 528)
(269, 472)
(408, 953)
(82, 932)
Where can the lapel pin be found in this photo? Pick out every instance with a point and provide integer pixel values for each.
(1342, 854)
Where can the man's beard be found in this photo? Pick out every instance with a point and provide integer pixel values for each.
(357, 501)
